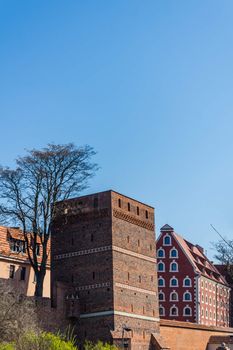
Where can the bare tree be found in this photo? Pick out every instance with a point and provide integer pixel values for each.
(17, 313)
(224, 253)
(28, 194)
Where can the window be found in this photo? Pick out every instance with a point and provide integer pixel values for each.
(140, 279)
(160, 253)
(174, 296)
(161, 282)
(128, 206)
(173, 253)
(22, 273)
(17, 246)
(119, 203)
(166, 240)
(146, 214)
(96, 202)
(161, 311)
(161, 267)
(137, 210)
(93, 275)
(174, 311)
(12, 271)
(174, 267)
(161, 296)
(173, 282)
(187, 311)
(37, 249)
(187, 282)
(187, 296)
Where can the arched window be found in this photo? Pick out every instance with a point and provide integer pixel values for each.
(161, 296)
(187, 296)
(173, 267)
(173, 282)
(161, 311)
(174, 311)
(174, 296)
(161, 282)
(187, 311)
(167, 240)
(187, 282)
(173, 253)
(161, 266)
(160, 253)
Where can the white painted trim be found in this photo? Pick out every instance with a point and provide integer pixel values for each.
(177, 253)
(167, 235)
(119, 313)
(136, 255)
(160, 262)
(141, 290)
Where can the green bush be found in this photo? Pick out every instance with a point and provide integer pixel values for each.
(41, 341)
(99, 346)
(7, 346)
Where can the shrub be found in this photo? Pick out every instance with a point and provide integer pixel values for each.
(7, 346)
(40, 341)
(99, 346)
(44, 341)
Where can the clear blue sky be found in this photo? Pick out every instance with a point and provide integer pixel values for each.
(149, 84)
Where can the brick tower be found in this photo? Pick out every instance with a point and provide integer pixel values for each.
(103, 254)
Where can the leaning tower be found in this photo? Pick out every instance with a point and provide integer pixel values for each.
(103, 254)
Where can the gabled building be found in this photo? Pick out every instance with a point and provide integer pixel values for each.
(15, 267)
(189, 285)
(227, 272)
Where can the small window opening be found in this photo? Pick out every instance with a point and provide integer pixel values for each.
(23, 273)
(93, 275)
(146, 214)
(12, 271)
(137, 210)
(119, 203)
(96, 202)
(128, 206)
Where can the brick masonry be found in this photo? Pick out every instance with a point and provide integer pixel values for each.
(103, 249)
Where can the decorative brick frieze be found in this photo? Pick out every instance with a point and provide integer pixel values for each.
(103, 249)
(82, 252)
(93, 286)
(131, 219)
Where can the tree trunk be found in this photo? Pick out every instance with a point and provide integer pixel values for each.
(39, 284)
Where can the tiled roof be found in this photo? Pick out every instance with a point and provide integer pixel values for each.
(202, 265)
(8, 233)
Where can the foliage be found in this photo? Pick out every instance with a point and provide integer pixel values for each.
(99, 346)
(7, 346)
(17, 313)
(28, 194)
(40, 341)
(44, 341)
